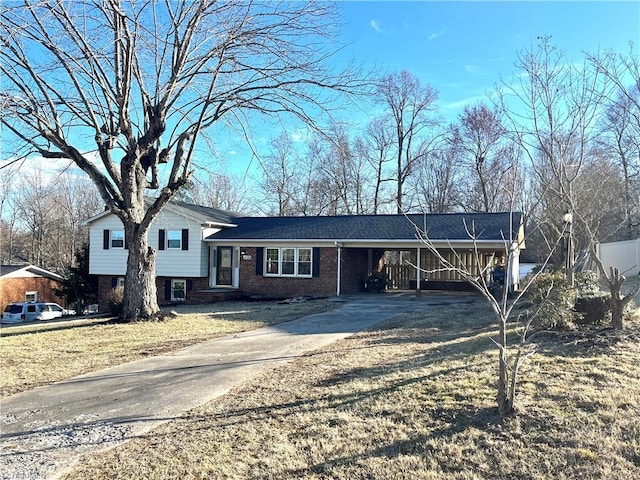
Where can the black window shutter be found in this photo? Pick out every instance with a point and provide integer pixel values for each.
(185, 239)
(189, 284)
(126, 241)
(167, 289)
(106, 239)
(161, 241)
(259, 261)
(114, 282)
(316, 261)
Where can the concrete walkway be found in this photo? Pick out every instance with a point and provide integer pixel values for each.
(46, 430)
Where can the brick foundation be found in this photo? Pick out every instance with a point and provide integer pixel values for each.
(354, 274)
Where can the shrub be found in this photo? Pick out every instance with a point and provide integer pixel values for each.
(552, 300)
(114, 302)
(592, 309)
(586, 283)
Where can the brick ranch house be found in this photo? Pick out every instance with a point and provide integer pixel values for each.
(28, 283)
(204, 254)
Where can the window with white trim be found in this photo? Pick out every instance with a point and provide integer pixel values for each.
(174, 239)
(178, 290)
(288, 262)
(117, 238)
(30, 296)
(119, 283)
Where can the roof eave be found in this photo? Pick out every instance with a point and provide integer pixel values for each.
(356, 242)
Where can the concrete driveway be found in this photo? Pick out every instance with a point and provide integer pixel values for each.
(45, 430)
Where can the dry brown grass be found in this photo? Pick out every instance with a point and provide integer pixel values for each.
(411, 400)
(33, 355)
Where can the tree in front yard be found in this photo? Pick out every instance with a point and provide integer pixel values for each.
(125, 90)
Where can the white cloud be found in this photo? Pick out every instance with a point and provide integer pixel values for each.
(474, 69)
(375, 26)
(435, 35)
(460, 104)
(46, 168)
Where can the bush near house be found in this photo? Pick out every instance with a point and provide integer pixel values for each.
(557, 305)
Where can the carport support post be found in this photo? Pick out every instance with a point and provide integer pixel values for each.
(418, 272)
(338, 273)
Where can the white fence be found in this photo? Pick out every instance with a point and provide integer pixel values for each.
(625, 256)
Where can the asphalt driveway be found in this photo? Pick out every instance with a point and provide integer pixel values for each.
(45, 430)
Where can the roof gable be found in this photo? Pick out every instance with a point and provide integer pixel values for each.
(199, 213)
(23, 271)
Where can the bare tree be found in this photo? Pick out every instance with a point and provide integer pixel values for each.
(557, 105)
(139, 83)
(8, 213)
(410, 105)
(439, 179)
(376, 147)
(343, 172)
(478, 274)
(621, 139)
(278, 168)
(47, 209)
(39, 214)
(221, 190)
(490, 157)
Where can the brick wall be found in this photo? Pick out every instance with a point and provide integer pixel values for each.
(14, 289)
(284, 287)
(355, 267)
(354, 273)
(105, 289)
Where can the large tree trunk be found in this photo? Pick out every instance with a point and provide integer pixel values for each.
(140, 294)
(617, 311)
(619, 301)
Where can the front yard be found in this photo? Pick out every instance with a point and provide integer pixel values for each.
(413, 399)
(34, 355)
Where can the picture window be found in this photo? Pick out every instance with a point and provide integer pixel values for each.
(288, 262)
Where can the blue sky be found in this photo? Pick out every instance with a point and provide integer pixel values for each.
(463, 48)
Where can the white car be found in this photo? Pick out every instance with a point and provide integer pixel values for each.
(30, 311)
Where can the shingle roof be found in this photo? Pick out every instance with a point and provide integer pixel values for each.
(212, 214)
(205, 214)
(19, 270)
(6, 269)
(487, 226)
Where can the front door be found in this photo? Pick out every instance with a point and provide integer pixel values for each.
(224, 270)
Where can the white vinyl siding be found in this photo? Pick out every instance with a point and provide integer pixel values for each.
(178, 260)
(170, 262)
(110, 261)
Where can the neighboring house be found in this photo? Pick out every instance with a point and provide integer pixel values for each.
(28, 283)
(625, 256)
(204, 254)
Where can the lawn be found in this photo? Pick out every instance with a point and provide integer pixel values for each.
(412, 399)
(37, 354)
